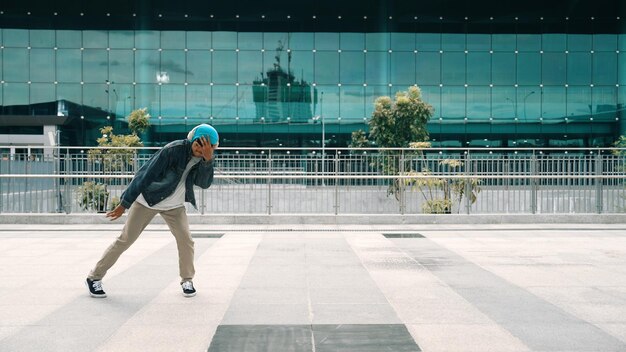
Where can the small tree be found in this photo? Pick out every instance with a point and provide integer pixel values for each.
(113, 160)
(395, 124)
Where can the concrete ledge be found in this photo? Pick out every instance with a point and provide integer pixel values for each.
(322, 219)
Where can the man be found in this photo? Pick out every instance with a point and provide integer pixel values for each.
(161, 186)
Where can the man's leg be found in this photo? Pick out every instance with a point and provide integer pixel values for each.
(176, 220)
(139, 217)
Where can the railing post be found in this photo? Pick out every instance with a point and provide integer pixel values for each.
(468, 183)
(269, 183)
(533, 184)
(336, 205)
(599, 181)
(67, 206)
(401, 183)
(1, 182)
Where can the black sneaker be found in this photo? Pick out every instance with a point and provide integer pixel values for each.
(188, 290)
(95, 288)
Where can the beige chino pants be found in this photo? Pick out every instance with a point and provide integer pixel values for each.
(139, 217)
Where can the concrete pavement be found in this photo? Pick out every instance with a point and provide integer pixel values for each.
(472, 287)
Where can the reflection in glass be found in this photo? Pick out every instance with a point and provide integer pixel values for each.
(432, 95)
(604, 103)
(68, 65)
(15, 94)
(41, 93)
(376, 67)
(250, 66)
(578, 101)
(69, 39)
(198, 101)
(224, 101)
(121, 39)
(147, 96)
(173, 65)
(503, 68)
(371, 93)
(147, 39)
(41, 38)
(172, 40)
(428, 41)
(402, 67)
(173, 100)
(326, 41)
(352, 41)
(528, 103)
(453, 103)
(503, 102)
(553, 68)
(279, 96)
(377, 41)
(553, 42)
(95, 65)
(95, 39)
(352, 102)
(428, 68)
(453, 71)
(478, 68)
(327, 67)
(224, 67)
(15, 38)
(578, 42)
(198, 66)
(121, 66)
(42, 65)
(579, 68)
(452, 41)
(15, 65)
(605, 68)
(478, 107)
(199, 40)
(553, 102)
(402, 41)
(250, 41)
(605, 42)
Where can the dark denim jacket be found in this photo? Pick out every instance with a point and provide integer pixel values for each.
(158, 177)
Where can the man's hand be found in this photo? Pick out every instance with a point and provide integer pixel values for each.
(207, 148)
(116, 213)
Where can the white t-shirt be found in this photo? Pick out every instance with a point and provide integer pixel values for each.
(176, 199)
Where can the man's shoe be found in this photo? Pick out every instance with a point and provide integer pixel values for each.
(188, 290)
(95, 288)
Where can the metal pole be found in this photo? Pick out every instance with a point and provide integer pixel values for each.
(599, 182)
(323, 136)
(468, 184)
(401, 184)
(533, 184)
(269, 183)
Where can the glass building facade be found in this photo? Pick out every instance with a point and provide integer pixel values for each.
(498, 86)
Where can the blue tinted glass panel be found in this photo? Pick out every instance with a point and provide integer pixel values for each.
(605, 68)
(329, 106)
(146, 66)
(478, 103)
(70, 92)
(15, 94)
(250, 66)
(528, 42)
(432, 96)
(453, 103)
(478, 42)
(578, 42)
(605, 42)
(173, 64)
(554, 42)
(42, 93)
(478, 68)
(302, 65)
(199, 40)
(428, 41)
(68, 65)
(42, 38)
(503, 68)
(95, 96)
(621, 98)
(553, 68)
(528, 68)
(621, 45)
(121, 63)
(604, 101)
(402, 41)
(147, 96)
(352, 102)
(173, 100)
(121, 98)
(503, 42)
(579, 68)
(503, 102)
(372, 92)
(42, 65)
(224, 101)
(402, 67)
(95, 39)
(621, 69)
(327, 67)
(172, 40)
(578, 102)
(121, 39)
(327, 41)
(376, 66)
(224, 67)
(69, 39)
(528, 103)
(249, 109)
(95, 64)
(453, 71)
(453, 42)
(352, 41)
(272, 40)
(15, 38)
(428, 68)
(553, 104)
(15, 65)
(377, 41)
(147, 39)
(199, 66)
(352, 67)
(250, 41)
(224, 40)
(301, 41)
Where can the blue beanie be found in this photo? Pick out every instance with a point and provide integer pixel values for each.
(206, 131)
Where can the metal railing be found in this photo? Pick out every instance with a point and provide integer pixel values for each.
(337, 181)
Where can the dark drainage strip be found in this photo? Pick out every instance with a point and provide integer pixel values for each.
(403, 235)
(206, 235)
(313, 338)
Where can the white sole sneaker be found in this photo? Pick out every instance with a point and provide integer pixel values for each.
(104, 295)
(189, 294)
